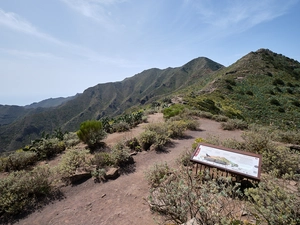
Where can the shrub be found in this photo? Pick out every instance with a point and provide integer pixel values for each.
(184, 158)
(173, 110)
(233, 124)
(22, 190)
(273, 204)
(207, 115)
(73, 160)
(157, 174)
(289, 136)
(71, 139)
(46, 148)
(275, 158)
(147, 138)
(120, 127)
(192, 124)
(180, 196)
(258, 140)
(220, 118)
(120, 155)
(17, 161)
(102, 160)
(133, 144)
(91, 132)
(176, 128)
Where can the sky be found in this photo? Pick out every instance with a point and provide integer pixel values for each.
(59, 48)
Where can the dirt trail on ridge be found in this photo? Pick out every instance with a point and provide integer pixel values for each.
(121, 201)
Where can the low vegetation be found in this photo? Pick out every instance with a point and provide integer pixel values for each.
(180, 194)
(91, 132)
(23, 191)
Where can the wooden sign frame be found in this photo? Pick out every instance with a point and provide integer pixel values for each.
(244, 164)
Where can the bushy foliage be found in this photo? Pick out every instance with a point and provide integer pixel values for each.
(22, 190)
(157, 174)
(102, 160)
(179, 196)
(173, 110)
(17, 161)
(289, 137)
(73, 160)
(120, 155)
(123, 122)
(120, 127)
(133, 144)
(71, 139)
(233, 124)
(146, 139)
(176, 129)
(46, 148)
(91, 132)
(273, 203)
(220, 118)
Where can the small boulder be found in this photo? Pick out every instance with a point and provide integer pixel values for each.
(80, 177)
(112, 173)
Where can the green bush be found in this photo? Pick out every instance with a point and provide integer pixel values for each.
(157, 174)
(102, 160)
(73, 160)
(120, 155)
(233, 124)
(176, 129)
(22, 190)
(71, 139)
(91, 132)
(18, 160)
(220, 118)
(273, 204)
(173, 110)
(289, 137)
(133, 144)
(120, 127)
(146, 139)
(192, 124)
(180, 196)
(46, 148)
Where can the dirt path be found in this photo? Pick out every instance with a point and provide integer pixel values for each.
(121, 201)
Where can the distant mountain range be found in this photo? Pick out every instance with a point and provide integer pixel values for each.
(262, 87)
(19, 125)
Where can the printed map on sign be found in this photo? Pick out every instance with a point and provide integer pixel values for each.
(235, 161)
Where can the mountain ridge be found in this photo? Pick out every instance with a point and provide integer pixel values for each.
(102, 100)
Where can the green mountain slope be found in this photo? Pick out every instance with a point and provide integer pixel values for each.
(262, 87)
(108, 99)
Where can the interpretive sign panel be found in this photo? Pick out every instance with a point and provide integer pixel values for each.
(238, 162)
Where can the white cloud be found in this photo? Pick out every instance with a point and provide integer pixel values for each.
(96, 10)
(15, 22)
(242, 14)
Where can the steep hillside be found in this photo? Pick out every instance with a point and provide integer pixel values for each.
(108, 99)
(262, 87)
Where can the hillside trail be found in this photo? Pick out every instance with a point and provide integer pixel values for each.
(121, 201)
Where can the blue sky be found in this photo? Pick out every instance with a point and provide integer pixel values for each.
(59, 48)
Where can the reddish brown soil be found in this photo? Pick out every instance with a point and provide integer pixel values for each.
(121, 201)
